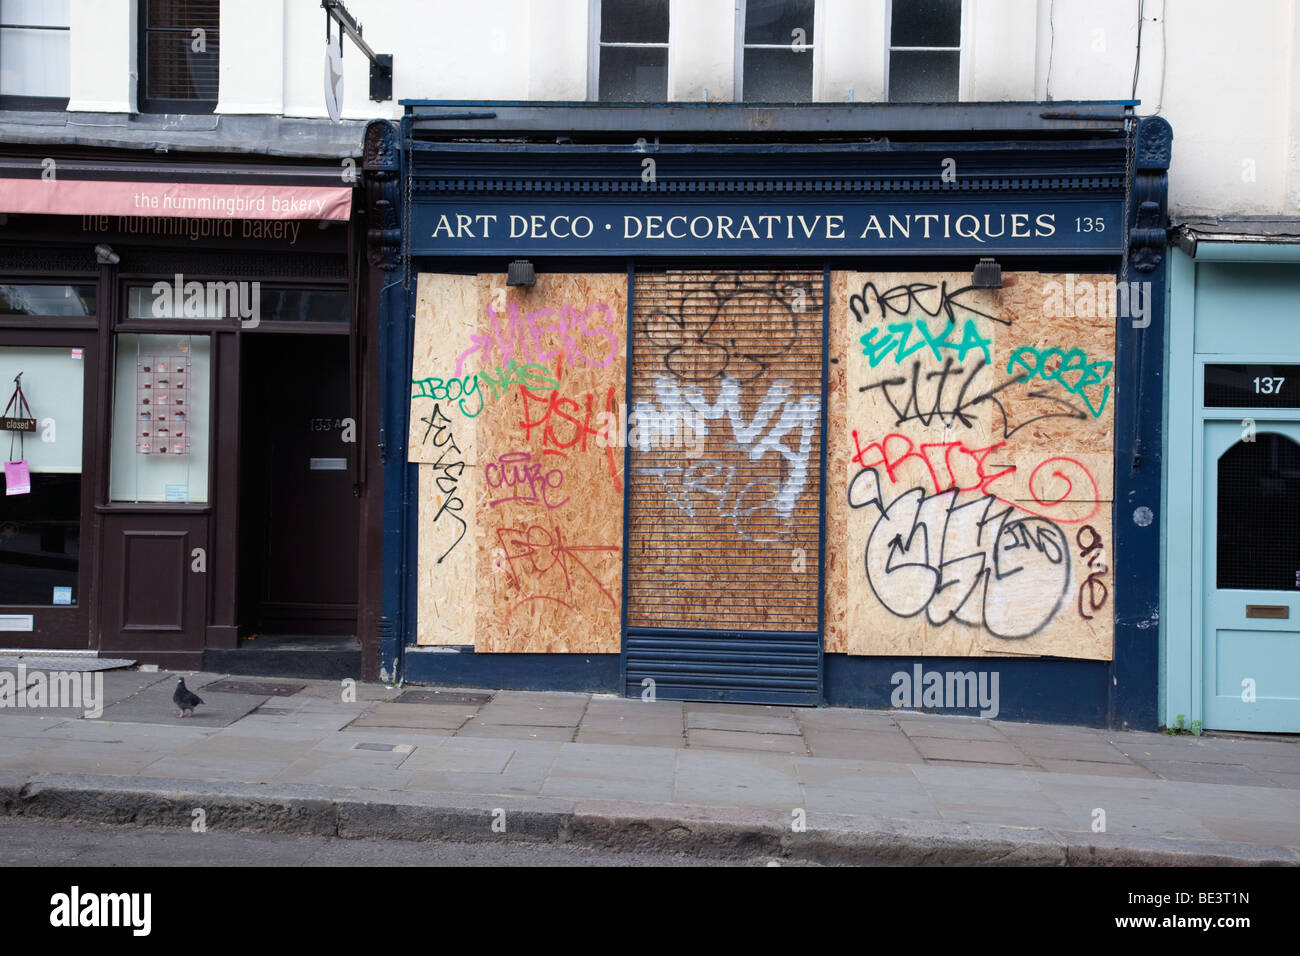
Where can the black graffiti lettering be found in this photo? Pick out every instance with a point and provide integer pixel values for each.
(903, 395)
(910, 298)
(1093, 585)
(972, 561)
(447, 474)
(711, 333)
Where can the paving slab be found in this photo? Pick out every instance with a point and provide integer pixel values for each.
(1096, 751)
(743, 740)
(1147, 747)
(612, 772)
(524, 774)
(639, 740)
(517, 731)
(609, 724)
(1239, 746)
(333, 689)
(949, 728)
(416, 716)
(530, 715)
(1290, 781)
(220, 746)
(1013, 728)
(736, 780)
(27, 723)
(1008, 799)
(1270, 762)
(1236, 828)
(1225, 773)
(1201, 797)
(872, 776)
(862, 745)
(747, 710)
(634, 708)
(1125, 769)
(399, 741)
(844, 718)
(613, 762)
(347, 770)
(970, 751)
(743, 723)
(458, 760)
(1019, 817)
(877, 804)
(315, 725)
(179, 732)
(81, 756)
(153, 705)
(1003, 777)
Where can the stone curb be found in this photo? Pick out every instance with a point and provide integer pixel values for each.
(714, 833)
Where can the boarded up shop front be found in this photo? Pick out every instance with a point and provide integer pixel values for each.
(786, 479)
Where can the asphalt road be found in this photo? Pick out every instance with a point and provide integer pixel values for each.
(25, 842)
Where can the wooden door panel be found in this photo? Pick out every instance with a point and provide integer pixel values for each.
(155, 586)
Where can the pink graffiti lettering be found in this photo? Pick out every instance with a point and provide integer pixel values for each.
(529, 337)
(515, 470)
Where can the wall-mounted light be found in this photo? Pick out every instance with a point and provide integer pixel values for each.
(105, 255)
(520, 272)
(987, 274)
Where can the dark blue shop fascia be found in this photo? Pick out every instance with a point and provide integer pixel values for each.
(451, 168)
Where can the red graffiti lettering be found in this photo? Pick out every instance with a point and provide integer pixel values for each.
(956, 466)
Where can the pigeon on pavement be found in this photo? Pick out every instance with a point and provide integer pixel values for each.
(185, 699)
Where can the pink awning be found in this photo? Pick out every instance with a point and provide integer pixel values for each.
(71, 197)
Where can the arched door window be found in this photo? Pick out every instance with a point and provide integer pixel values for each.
(1259, 515)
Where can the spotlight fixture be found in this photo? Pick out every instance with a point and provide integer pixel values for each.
(105, 255)
(987, 274)
(520, 272)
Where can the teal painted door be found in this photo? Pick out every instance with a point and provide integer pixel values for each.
(1251, 618)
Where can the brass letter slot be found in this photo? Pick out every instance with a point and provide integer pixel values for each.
(1281, 611)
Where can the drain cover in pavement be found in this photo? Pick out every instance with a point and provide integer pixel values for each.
(442, 697)
(267, 687)
(384, 748)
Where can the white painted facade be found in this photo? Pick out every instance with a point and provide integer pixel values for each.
(1226, 76)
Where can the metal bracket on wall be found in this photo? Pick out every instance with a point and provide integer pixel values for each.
(381, 64)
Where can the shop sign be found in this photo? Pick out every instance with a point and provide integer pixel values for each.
(774, 226)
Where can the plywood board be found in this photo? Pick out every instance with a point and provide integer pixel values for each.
(537, 419)
(972, 441)
(446, 560)
(835, 639)
(443, 391)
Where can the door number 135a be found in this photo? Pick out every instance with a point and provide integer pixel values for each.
(1269, 385)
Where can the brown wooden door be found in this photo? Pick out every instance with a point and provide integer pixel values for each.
(46, 535)
(302, 542)
(156, 517)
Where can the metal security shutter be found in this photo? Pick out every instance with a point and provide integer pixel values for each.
(724, 486)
